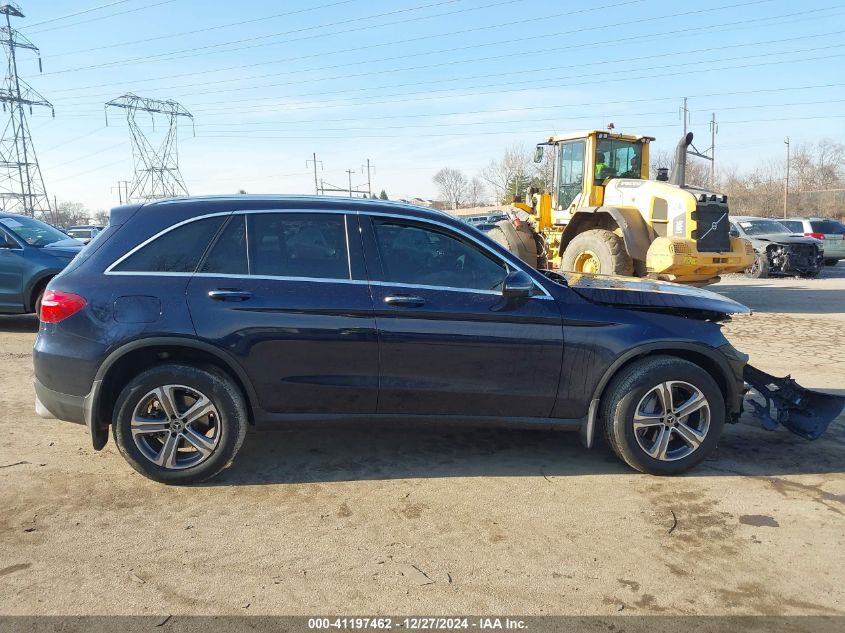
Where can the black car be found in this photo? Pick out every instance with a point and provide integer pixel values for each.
(186, 321)
(779, 250)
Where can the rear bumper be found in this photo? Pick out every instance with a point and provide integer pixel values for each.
(49, 403)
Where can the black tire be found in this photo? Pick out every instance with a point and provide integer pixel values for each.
(37, 304)
(230, 421)
(760, 268)
(608, 247)
(831, 262)
(631, 386)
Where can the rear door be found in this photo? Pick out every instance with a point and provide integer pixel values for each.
(285, 294)
(448, 342)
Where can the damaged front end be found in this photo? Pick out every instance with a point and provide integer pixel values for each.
(776, 401)
(791, 259)
(804, 412)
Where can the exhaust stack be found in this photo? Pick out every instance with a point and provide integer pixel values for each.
(679, 169)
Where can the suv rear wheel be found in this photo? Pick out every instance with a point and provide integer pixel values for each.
(179, 424)
(663, 415)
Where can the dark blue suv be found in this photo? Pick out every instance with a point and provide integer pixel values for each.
(187, 321)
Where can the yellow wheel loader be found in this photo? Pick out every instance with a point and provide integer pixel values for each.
(605, 216)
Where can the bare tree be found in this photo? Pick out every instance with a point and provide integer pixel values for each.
(511, 175)
(452, 185)
(71, 213)
(476, 190)
(101, 217)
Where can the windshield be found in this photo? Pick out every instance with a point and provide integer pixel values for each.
(32, 231)
(762, 227)
(618, 159)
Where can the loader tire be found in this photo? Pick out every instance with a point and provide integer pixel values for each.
(520, 242)
(597, 251)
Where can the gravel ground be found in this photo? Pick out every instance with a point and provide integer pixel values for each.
(443, 519)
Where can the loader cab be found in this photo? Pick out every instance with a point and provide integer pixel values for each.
(584, 162)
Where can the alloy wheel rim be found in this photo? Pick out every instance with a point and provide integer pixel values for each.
(176, 427)
(671, 420)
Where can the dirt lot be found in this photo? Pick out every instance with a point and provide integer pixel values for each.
(439, 520)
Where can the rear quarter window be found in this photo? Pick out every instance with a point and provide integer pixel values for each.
(827, 227)
(177, 251)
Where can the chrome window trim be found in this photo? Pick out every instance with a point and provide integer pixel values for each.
(510, 260)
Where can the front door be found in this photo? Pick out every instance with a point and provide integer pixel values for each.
(448, 341)
(285, 294)
(12, 265)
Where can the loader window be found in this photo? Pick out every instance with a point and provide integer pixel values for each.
(618, 159)
(571, 179)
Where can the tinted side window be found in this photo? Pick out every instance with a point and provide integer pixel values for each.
(793, 225)
(177, 251)
(827, 226)
(228, 255)
(298, 245)
(414, 255)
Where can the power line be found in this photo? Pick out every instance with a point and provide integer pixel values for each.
(521, 72)
(522, 120)
(147, 40)
(103, 17)
(737, 25)
(178, 53)
(509, 131)
(452, 62)
(71, 15)
(427, 95)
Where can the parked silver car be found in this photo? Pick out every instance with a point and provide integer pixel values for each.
(831, 232)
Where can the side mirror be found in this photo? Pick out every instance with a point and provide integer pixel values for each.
(517, 285)
(538, 154)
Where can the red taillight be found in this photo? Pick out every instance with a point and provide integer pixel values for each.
(818, 236)
(57, 305)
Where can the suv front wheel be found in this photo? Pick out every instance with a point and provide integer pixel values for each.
(179, 424)
(663, 415)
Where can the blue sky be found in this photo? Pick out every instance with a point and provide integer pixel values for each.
(415, 85)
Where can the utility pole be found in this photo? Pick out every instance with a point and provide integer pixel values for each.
(369, 182)
(157, 172)
(684, 114)
(710, 152)
(714, 129)
(21, 185)
(349, 172)
(314, 162)
(786, 188)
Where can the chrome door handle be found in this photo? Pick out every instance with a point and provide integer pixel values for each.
(229, 294)
(407, 301)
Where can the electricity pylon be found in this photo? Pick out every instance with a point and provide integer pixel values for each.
(21, 185)
(156, 167)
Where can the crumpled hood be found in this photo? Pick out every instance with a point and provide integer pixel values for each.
(651, 295)
(783, 238)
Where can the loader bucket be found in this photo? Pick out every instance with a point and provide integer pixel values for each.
(804, 412)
